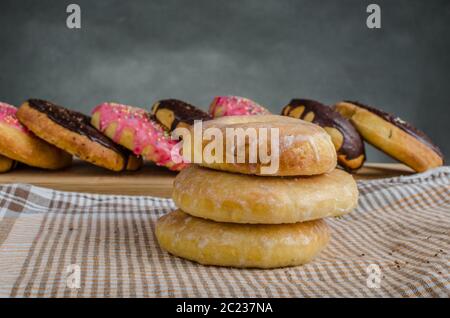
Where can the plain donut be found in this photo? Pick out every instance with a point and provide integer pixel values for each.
(239, 245)
(304, 148)
(230, 197)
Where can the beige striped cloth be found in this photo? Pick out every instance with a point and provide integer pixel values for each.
(58, 244)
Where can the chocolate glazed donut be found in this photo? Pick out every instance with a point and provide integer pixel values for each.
(403, 125)
(346, 139)
(173, 113)
(392, 135)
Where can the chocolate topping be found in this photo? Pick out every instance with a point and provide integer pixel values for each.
(183, 112)
(325, 116)
(78, 123)
(403, 125)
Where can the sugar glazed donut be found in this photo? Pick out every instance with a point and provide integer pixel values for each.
(241, 245)
(133, 128)
(18, 143)
(72, 132)
(346, 139)
(173, 113)
(303, 148)
(393, 136)
(214, 195)
(235, 106)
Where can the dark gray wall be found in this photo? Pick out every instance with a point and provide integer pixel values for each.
(137, 52)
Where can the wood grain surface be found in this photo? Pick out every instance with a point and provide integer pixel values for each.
(150, 180)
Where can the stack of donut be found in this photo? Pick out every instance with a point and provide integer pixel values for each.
(117, 137)
(230, 214)
(349, 124)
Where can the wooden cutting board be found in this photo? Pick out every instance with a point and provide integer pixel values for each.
(150, 180)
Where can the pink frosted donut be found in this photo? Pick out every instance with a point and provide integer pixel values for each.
(132, 128)
(8, 117)
(235, 106)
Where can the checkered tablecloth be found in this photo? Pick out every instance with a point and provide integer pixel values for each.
(396, 243)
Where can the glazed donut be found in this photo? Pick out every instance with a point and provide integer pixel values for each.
(6, 164)
(235, 106)
(304, 148)
(72, 132)
(133, 128)
(173, 113)
(18, 143)
(393, 136)
(240, 245)
(346, 139)
(238, 198)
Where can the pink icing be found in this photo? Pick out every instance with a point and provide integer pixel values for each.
(8, 116)
(146, 132)
(235, 106)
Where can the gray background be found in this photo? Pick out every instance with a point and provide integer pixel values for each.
(137, 52)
